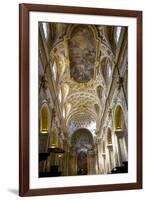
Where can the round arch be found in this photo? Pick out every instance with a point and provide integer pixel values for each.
(109, 136)
(119, 118)
(99, 90)
(106, 69)
(44, 119)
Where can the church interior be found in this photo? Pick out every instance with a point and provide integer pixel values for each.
(83, 99)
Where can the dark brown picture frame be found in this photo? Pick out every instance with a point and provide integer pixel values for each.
(24, 10)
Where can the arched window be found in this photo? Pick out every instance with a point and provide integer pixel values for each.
(54, 143)
(118, 32)
(54, 68)
(45, 29)
(103, 64)
(100, 91)
(96, 108)
(44, 119)
(63, 113)
(109, 136)
(119, 118)
(106, 69)
(60, 96)
(109, 68)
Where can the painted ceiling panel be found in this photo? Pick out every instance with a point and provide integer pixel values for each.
(82, 54)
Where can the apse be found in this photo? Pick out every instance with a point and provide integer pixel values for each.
(82, 140)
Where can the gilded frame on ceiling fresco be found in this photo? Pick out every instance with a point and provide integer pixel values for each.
(24, 104)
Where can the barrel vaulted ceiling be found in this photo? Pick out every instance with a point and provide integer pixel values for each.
(83, 58)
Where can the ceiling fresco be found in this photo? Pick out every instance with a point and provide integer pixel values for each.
(82, 54)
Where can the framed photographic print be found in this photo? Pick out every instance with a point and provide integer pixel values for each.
(80, 99)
